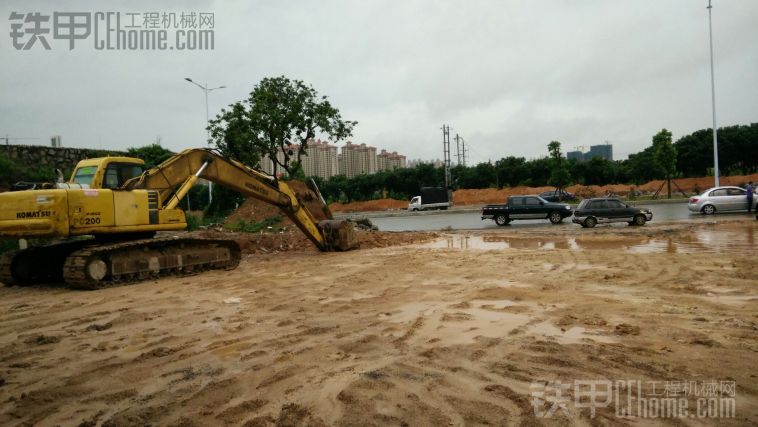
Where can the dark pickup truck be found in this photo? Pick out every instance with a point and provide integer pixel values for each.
(526, 207)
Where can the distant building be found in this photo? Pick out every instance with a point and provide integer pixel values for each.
(604, 151)
(320, 159)
(357, 159)
(55, 141)
(389, 161)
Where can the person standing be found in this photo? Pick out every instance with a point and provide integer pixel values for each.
(749, 196)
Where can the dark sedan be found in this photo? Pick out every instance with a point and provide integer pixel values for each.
(603, 210)
(558, 196)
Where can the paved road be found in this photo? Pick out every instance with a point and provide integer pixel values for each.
(472, 220)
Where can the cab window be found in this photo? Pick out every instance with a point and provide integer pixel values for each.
(531, 201)
(736, 192)
(116, 174)
(613, 204)
(718, 193)
(84, 175)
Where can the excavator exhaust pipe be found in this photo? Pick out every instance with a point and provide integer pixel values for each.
(340, 235)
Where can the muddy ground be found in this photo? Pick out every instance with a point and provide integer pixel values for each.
(421, 334)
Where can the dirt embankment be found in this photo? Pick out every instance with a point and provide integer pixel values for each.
(286, 237)
(291, 239)
(492, 195)
(396, 336)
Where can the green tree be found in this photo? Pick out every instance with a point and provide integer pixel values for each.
(560, 176)
(8, 171)
(278, 114)
(664, 156)
(153, 154)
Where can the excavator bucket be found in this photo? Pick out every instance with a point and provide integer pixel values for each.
(340, 235)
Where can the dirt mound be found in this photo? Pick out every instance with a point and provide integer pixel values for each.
(369, 205)
(292, 239)
(254, 210)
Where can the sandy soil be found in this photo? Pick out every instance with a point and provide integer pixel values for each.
(404, 335)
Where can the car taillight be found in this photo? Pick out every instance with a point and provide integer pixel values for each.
(694, 200)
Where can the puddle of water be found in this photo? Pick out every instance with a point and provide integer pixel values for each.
(733, 240)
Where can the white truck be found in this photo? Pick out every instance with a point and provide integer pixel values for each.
(431, 198)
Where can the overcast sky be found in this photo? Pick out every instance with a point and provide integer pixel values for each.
(509, 76)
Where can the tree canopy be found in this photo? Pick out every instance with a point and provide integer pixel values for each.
(279, 116)
(153, 154)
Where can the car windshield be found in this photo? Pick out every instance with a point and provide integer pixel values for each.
(583, 204)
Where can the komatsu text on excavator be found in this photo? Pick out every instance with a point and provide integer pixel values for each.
(123, 205)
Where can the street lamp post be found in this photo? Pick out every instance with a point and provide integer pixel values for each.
(206, 89)
(713, 102)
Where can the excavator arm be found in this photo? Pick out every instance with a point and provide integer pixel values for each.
(173, 179)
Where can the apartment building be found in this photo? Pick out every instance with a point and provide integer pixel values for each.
(389, 161)
(320, 159)
(357, 159)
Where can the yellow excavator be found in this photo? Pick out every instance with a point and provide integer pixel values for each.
(123, 205)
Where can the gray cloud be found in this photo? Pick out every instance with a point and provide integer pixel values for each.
(510, 76)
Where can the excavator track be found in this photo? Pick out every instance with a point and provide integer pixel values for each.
(102, 266)
(89, 264)
(39, 264)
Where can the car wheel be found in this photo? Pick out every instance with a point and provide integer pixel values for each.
(709, 209)
(590, 222)
(501, 219)
(639, 220)
(555, 217)
(630, 222)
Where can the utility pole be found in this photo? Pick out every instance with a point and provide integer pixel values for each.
(463, 142)
(713, 102)
(458, 148)
(446, 152)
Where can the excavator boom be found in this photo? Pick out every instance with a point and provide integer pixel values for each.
(174, 177)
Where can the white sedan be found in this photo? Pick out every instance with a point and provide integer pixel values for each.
(720, 199)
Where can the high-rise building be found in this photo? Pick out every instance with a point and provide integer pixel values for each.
(604, 151)
(55, 141)
(389, 161)
(320, 159)
(357, 159)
